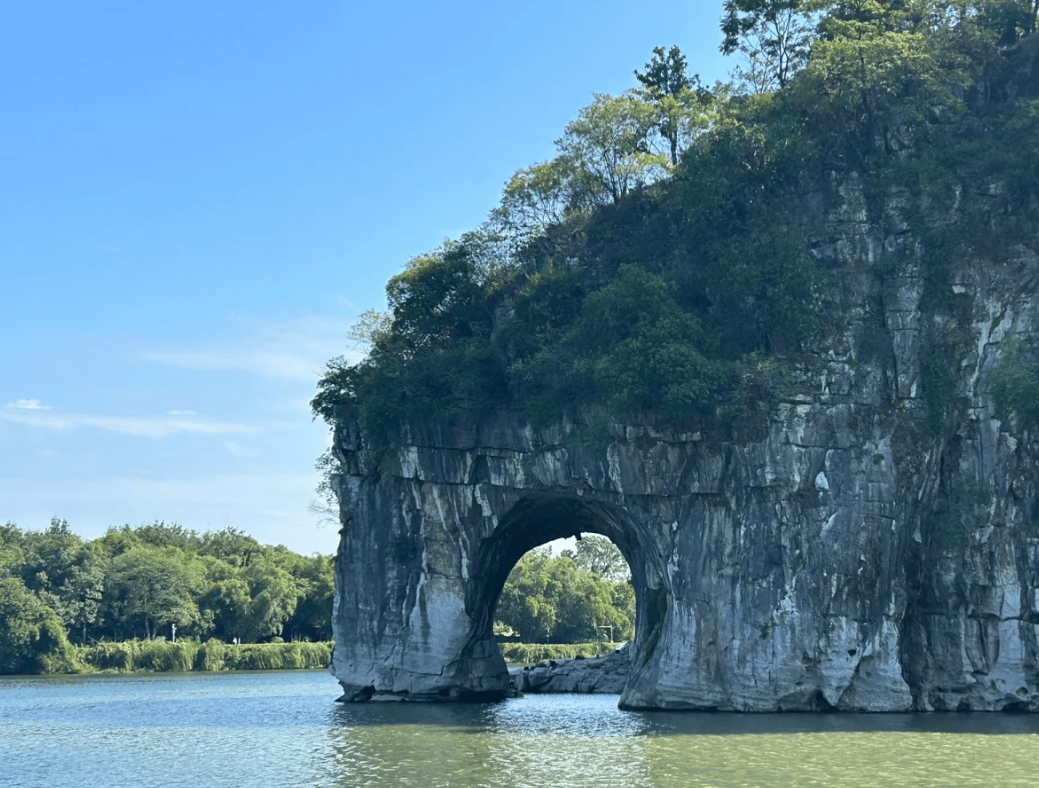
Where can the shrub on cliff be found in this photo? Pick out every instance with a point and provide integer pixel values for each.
(1014, 383)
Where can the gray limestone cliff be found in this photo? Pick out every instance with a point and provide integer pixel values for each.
(871, 545)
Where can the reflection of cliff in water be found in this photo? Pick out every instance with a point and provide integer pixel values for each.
(578, 741)
(561, 741)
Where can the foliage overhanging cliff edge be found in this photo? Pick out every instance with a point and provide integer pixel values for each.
(662, 266)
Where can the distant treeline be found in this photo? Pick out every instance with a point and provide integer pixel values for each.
(71, 605)
(58, 591)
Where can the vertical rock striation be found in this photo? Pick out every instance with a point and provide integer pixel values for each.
(871, 545)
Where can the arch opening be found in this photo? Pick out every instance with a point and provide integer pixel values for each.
(541, 518)
(578, 595)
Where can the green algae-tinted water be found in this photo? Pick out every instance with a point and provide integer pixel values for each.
(283, 729)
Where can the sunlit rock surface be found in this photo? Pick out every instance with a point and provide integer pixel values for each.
(860, 548)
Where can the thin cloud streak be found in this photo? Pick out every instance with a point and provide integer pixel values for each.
(27, 404)
(266, 364)
(293, 350)
(125, 425)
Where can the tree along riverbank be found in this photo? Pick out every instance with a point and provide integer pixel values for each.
(60, 593)
(69, 605)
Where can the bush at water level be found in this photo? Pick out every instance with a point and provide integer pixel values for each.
(277, 656)
(529, 653)
(154, 655)
(187, 655)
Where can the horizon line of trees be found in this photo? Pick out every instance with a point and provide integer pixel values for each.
(57, 588)
(58, 591)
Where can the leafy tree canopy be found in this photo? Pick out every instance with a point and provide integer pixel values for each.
(659, 267)
(774, 36)
(550, 599)
(601, 557)
(683, 106)
(133, 582)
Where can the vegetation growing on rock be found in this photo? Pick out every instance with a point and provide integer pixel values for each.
(782, 375)
(663, 265)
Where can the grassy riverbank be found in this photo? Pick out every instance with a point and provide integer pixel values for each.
(529, 653)
(157, 656)
(190, 655)
(185, 656)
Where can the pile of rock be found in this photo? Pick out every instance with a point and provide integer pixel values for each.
(605, 674)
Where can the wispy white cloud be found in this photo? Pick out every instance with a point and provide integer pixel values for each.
(263, 363)
(27, 404)
(237, 450)
(341, 300)
(294, 349)
(161, 427)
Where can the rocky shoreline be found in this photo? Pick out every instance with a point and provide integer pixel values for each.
(604, 675)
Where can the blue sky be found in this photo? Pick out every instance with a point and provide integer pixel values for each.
(198, 199)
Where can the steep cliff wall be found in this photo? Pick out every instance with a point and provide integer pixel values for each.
(872, 545)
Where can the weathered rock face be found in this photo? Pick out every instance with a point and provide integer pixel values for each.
(873, 544)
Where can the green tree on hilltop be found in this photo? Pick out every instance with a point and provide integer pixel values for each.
(682, 104)
(607, 146)
(774, 36)
(605, 155)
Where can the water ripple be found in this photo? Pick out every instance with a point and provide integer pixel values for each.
(282, 729)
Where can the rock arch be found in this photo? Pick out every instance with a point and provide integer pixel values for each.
(863, 537)
(839, 553)
(731, 549)
(542, 517)
(426, 550)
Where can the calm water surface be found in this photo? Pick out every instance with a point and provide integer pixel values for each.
(283, 729)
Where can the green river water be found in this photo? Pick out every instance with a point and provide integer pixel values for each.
(283, 729)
